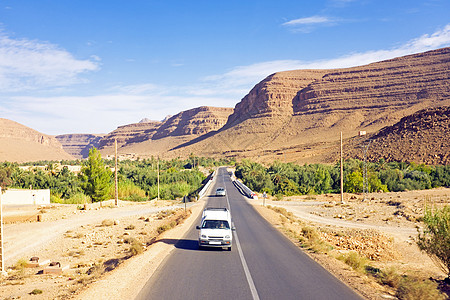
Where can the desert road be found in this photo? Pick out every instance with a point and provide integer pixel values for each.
(263, 264)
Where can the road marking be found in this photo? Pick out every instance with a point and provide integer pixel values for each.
(251, 284)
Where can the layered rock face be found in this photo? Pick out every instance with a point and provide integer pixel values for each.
(197, 121)
(78, 145)
(273, 96)
(299, 114)
(382, 92)
(132, 133)
(422, 137)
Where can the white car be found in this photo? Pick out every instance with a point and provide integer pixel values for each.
(220, 191)
(216, 228)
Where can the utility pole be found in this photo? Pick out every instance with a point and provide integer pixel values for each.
(365, 178)
(158, 178)
(116, 193)
(342, 173)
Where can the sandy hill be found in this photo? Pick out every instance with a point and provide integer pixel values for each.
(19, 143)
(422, 137)
(298, 115)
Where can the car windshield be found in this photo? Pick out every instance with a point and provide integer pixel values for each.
(215, 224)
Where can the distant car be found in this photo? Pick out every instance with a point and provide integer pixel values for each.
(220, 191)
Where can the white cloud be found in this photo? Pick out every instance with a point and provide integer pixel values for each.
(308, 24)
(251, 74)
(129, 104)
(99, 113)
(31, 64)
(308, 21)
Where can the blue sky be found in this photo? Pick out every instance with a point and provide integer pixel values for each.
(89, 66)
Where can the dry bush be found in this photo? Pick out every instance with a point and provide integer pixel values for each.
(165, 214)
(391, 278)
(136, 248)
(281, 210)
(354, 260)
(129, 240)
(36, 292)
(130, 227)
(414, 289)
(310, 239)
(166, 227)
(107, 222)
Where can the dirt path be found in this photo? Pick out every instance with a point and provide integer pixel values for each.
(401, 233)
(24, 239)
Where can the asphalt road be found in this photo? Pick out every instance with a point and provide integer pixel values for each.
(263, 264)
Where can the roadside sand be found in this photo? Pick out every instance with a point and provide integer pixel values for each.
(389, 219)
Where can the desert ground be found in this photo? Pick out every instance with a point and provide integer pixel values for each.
(111, 252)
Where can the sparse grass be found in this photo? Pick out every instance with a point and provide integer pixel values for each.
(165, 214)
(412, 289)
(311, 240)
(79, 198)
(21, 264)
(391, 278)
(406, 287)
(354, 260)
(166, 227)
(281, 210)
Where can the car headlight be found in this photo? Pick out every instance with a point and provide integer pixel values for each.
(203, 236)
(227, 236)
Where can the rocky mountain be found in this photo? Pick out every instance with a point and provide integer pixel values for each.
(78, 145)
(128, 134)
(298, 115)
(19, 143)
(422, 137)
(156, 138)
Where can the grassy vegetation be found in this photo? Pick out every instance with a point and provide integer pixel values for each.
(290, 179)
(405, 287)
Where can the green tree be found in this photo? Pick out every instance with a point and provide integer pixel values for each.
(354, 182)
(435, 238)
(95, 176)
(6, 170)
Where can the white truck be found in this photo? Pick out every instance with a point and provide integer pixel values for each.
(216, 228)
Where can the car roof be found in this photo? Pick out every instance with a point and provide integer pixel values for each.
(216, 214)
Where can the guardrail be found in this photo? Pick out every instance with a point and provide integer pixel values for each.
(206, 186)
(244, 189)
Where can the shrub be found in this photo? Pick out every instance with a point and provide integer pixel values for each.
(411, 289)
(78, 198)
(166, 227)
(391, 278)
(136, 248)
(354, 260)
(435, 239)
(36, 292)
(107, 222)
